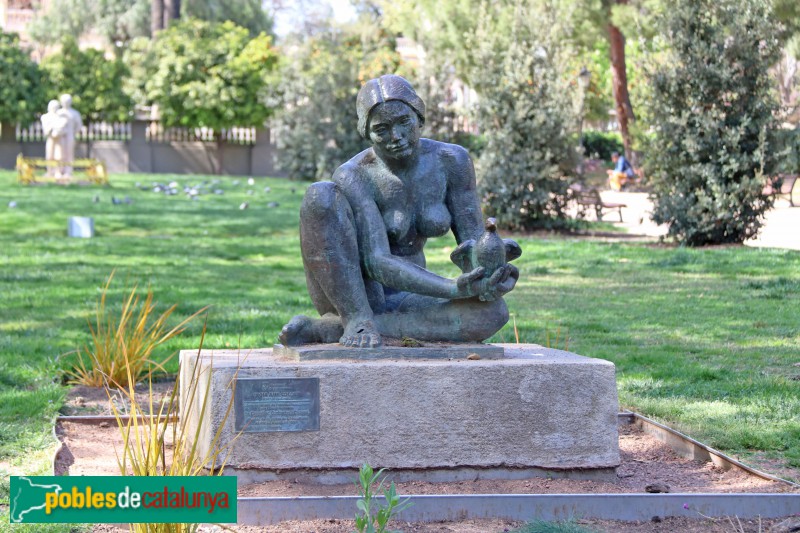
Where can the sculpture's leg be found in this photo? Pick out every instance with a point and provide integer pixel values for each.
(437, 319)
(333, 272)
(68, 156)
(48, 155)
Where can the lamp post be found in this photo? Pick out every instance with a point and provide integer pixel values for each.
(584, 79)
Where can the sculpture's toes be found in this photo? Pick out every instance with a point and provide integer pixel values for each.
(364, 341)
(361, 335)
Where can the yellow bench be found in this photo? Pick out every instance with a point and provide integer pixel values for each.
(28, 170)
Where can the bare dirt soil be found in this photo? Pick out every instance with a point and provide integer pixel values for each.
(91, 449)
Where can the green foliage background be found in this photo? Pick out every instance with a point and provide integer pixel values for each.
(94, 82)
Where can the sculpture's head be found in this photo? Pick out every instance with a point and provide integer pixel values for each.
(53, 106)
(390, 115)
(66, 101)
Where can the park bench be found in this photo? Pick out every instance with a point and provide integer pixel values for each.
(590, 198)
(34, 170)
(784, 185)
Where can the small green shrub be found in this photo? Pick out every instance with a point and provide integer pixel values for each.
(601, 144)
(786, 144)
(540, 526)
(374, 517)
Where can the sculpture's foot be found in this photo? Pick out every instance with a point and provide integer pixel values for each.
(361, 334)
(299, 330)
(305, 330)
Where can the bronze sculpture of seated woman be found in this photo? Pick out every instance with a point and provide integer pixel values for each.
(363, 233)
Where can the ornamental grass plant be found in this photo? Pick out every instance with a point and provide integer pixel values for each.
(122, 344)
(157, 441)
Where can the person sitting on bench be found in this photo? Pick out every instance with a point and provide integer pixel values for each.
(622, 173)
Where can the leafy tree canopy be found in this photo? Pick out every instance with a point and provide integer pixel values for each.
(22, 92)
(210, 74)
(118, 21)
(246, 13)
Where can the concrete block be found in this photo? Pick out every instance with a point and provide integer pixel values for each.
(535, 408)
(82, 227)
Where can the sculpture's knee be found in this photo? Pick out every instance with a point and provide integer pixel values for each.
(327, 228)
(490, 318)
(323, 199)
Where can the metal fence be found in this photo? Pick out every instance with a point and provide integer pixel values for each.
(93, 131)
(154, 133)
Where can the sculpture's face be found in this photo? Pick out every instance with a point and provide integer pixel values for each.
(394, 129)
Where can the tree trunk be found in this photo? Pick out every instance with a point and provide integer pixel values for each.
(172, 11)
(619, 82)
(156, 16)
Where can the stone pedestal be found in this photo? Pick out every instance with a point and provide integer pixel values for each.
(535, 408)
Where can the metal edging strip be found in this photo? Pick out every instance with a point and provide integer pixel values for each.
(98, 419)
(690, 448)
(454, 507)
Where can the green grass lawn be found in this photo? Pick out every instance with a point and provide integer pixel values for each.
(705, 340)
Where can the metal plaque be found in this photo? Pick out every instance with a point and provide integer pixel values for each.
(277, 404)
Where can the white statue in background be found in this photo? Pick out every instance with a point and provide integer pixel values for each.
(73, 126)
(53, 126)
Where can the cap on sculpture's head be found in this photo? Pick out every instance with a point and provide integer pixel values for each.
(66, 100)
(52, 106)
(384, 89)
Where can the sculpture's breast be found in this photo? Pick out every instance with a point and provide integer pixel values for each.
(433, 220)
(392, 200)
(431, 216)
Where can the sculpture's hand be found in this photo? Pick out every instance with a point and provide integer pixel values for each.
(469, 283)
(499, 283)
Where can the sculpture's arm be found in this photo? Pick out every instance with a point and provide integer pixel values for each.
(375, 254)
(461, 197)
(58, 126)
(47, 125)
(464, 206)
